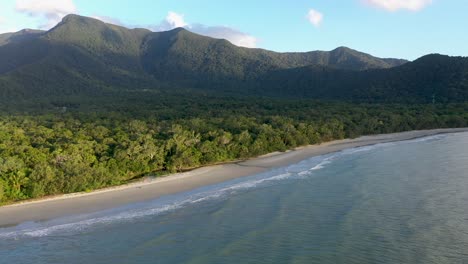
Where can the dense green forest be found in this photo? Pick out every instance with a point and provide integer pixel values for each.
(62, 150)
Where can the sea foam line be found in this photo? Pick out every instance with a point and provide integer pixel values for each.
(143, 210)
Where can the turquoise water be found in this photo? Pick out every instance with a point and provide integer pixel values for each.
(404, 202)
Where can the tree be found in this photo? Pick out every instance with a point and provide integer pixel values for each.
(181, 149)
(15, 173)
(2, 191)
(40, 180)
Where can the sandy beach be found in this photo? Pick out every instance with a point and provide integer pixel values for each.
(148, 189)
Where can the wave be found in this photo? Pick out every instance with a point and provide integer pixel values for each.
(141, 210)
(301, 170)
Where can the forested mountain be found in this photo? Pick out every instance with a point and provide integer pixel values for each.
(84, 56)
(181, 54)
(432, 78)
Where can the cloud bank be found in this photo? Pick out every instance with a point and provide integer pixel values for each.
(49, 12)
(395, 5)
(315, 17)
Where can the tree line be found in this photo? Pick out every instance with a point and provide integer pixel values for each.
(55, 153)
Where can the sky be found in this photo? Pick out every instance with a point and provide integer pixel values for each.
(405, 29)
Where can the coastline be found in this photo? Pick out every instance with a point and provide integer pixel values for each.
(149, 189)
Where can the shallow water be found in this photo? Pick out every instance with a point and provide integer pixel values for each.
(404, 202)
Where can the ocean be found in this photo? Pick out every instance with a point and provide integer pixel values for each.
(401, 202)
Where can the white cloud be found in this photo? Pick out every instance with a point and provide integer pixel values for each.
(175, 20)
(236, 37)
(395, 5)
(315, 17)
(50, 12)
(172, 20)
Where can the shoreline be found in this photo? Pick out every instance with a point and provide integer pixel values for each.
(148, 189)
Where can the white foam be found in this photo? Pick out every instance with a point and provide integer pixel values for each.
(429, 138)
(38, 230)
(74, 227)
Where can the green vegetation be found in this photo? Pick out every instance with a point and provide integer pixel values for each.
(87, 104)
(55, 152)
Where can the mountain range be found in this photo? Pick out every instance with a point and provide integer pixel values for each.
(87, 57)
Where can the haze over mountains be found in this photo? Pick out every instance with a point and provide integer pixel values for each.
(86, 57)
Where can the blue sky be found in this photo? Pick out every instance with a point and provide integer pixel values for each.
(386, 28)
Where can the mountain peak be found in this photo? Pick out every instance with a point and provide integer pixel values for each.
(178, 29)
(29, 31)
(345, 55)
(77, 20)
(21, 35)
(74, 17)
(97, 36)
(343, 48)
(436, 58)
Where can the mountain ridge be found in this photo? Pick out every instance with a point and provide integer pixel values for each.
(88, 57)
